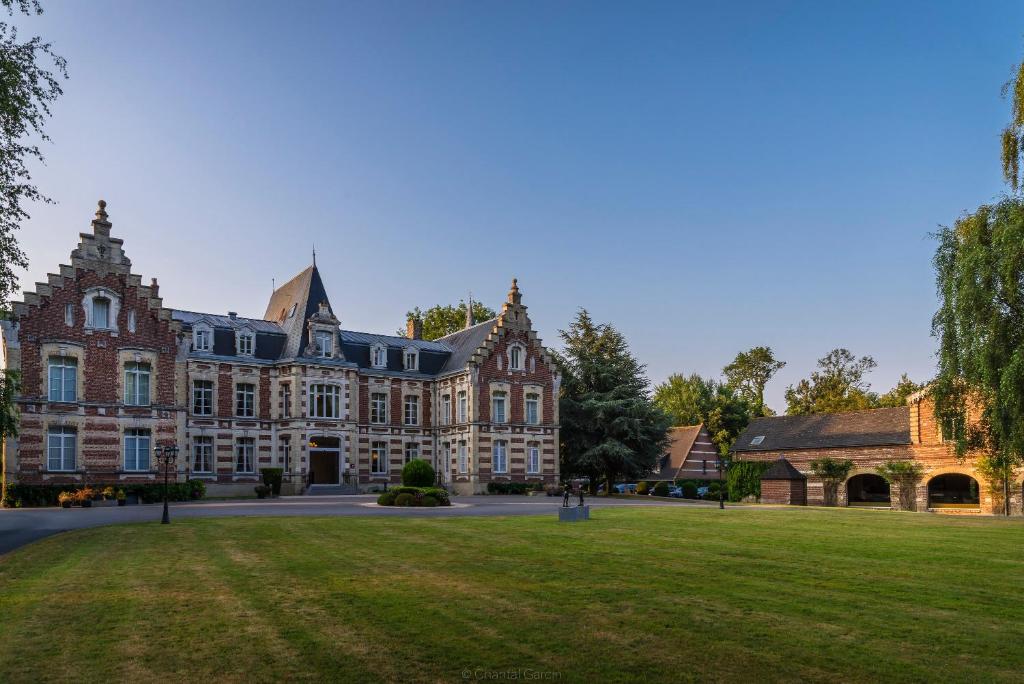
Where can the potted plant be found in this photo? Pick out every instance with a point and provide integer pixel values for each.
(66, 499)
(262, 491)
(85, 497)
(122, 498)
(109, 493)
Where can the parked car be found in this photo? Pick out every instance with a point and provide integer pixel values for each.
(625, 488)
(675, 492)
(702, 492)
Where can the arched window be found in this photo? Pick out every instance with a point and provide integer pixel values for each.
(101, 308)
(516, 357)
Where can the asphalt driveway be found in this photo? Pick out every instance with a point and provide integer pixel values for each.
(20, 526)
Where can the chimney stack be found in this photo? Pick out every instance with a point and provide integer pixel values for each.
(232, 315)
(414, 329)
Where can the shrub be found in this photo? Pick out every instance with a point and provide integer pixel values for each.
(272, 478)
(429, 502)
(744, 479)
(661, 489)
(905, 475)
(386, 499)
(404, 499)
(262, 491)
(641, 487)
(108, 492)
(439, 495)
(46, 495)
(832, 471)
(418, 473)
(66, 497)
(509, 487)
(121, 496)
(689, 490)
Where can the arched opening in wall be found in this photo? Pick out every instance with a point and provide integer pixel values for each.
(867, 490)
(324, 460)
(953, 490)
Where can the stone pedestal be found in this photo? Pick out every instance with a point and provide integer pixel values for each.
(574, 513)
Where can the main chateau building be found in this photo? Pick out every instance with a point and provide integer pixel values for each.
(108, 373)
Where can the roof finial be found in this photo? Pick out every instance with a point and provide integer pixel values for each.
(314, 255)
(469, 311)
(101, 210)
(513, 294)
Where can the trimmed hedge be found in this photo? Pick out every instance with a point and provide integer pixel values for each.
(272, 478)
(418, 473)
(661, 488)
(414, 496)
(514, 487)
(29, 495)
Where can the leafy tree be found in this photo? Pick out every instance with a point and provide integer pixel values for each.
(689, 400)
(838, 385)
(898, 395)
(749, 372)
(905, 475)
(610, 427)
(832, 472)
(442, 320)
(744, 479)
(27, 89)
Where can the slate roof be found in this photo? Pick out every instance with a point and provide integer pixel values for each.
(873, 427)
(783, 470)
(304, 292)
(464, 342)
(255, 324)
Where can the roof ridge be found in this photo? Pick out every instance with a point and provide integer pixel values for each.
(472, 327)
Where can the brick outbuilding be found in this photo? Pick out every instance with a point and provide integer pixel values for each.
(784, 484)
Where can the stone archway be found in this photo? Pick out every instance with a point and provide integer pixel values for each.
(953, 490)
(325, 462)
(868, 489)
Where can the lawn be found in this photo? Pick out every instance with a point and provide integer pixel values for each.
(654, 594)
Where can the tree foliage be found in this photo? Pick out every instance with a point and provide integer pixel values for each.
(899, 394)
(838, 385)
(610, 427)
(749, 372)
(833, 472)
(905, 475)
(979, 265)
(1013, 134)
(690, 400)
(27, 89)
(441, 320)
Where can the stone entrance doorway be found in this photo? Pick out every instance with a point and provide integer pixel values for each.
(867, 490)
(324, 461)
(953, 490)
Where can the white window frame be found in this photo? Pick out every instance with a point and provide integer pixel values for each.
(323, 341)
(89, 307)
(286, 400)
(463, 406)
(202, 397)
(245, 455)
(499, 398)
(379, 355)
(245, 342)
(330, 406)
(202, 454)
(61, 441)
(137, 443)
(96, 322)
(411, 359)
(532, 459)
(463, 458)
(379, 408)
(516, 361)
(134, 374)
(69, 315)
(412, 451)
(411, 410)
(201, 333)
(286, 453)
(499, 457)
(446, 409)
(245, 398)
(63, 369)
(527, 401)
(381, 454)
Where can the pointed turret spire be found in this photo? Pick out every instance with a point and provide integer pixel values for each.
(469, 312)
(314, 255)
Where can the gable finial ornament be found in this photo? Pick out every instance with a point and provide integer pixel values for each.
(101, 211)
(513, 294)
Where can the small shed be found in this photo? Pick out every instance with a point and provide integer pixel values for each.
(784, 484)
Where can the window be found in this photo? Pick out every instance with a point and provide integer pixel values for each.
(286, 400)
(286, 453)
(378, 407)
(202, 340)
(291, 311)
(100, 312)
(60, 448)
(500, 456)
(136, 450)
(69, 314)
(533, 459)
(136, 384)
(245, 400)
(131, 320)
(245, 451)
(379, 356)
(515, 357)
(324, 341)
(379, 458)
(446, 409)
(444, 457)
(202, 397)
(463, 407)
(498, 407)
(532, 406)
(202, 455)
(324, 401)
(63, 378)
(463, 458)
(412, 450)
(757, 440)
(412, 410)
(246, 343)
(412, 359)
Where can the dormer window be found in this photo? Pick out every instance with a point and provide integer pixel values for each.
(202, 339)
(245, 342)
(516, 355)
(412, 359)
(323, 341)
(379, 356)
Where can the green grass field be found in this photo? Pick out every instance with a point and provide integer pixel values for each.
(656, 594)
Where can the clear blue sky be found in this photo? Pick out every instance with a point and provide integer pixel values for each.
(707, 176)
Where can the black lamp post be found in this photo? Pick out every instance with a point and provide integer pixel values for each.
(166, 456)
(721, 465)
